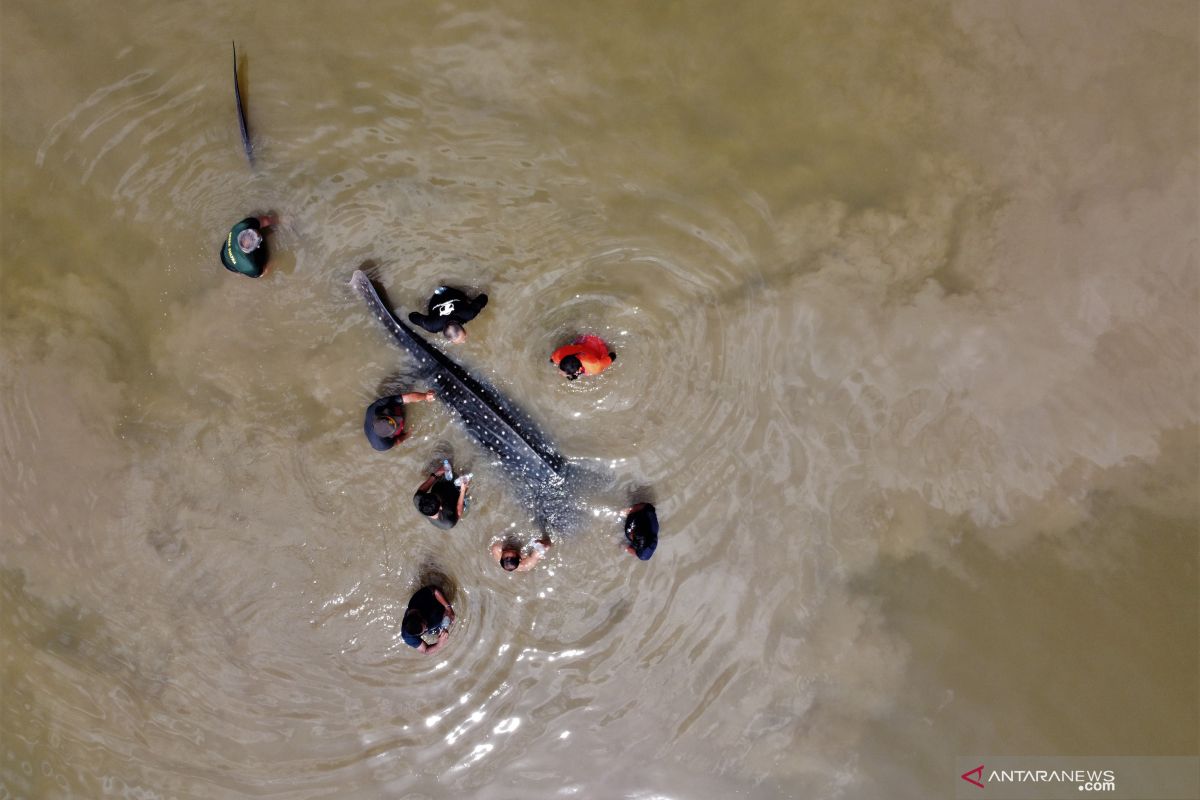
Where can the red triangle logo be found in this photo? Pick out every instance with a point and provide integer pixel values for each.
(978, 773)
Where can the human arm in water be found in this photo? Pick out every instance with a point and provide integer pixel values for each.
(437, 595)
(537, 554)
(462, 494)
(443, 635)
(433, 648)
(431, 480)
(471, 308)
(417, 397)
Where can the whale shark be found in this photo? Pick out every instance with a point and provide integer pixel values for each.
(524, 453)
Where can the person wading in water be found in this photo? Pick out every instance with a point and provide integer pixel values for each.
(448, 311)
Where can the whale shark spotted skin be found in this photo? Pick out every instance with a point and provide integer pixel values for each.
(491, 419)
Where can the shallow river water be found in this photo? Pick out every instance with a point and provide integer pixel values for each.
(905, 297)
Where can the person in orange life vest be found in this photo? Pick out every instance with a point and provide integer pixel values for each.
(587, 355)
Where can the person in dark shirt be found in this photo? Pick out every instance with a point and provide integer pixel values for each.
(641, 530)
(441, 499)
(427, 617)
(448, 310)
(384, 422)
(508, 554)
(244, 250)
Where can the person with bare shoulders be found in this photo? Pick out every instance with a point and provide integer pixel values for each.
(507, 554)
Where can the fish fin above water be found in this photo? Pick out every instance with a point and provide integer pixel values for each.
(241, 110)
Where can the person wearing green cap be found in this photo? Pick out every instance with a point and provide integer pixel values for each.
(244, 250)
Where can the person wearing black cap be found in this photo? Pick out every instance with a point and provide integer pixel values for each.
(440, 498)
(508, 554)
(448, 310)
(641, 530)
(428, 616)
(384, 423)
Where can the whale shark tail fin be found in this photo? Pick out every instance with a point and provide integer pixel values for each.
(241, 110)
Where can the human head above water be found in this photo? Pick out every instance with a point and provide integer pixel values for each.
(510, 560)
(572, 366)
(455, 333)
(385, 426)
(413, 624)
(428, 504)
(249, 240)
